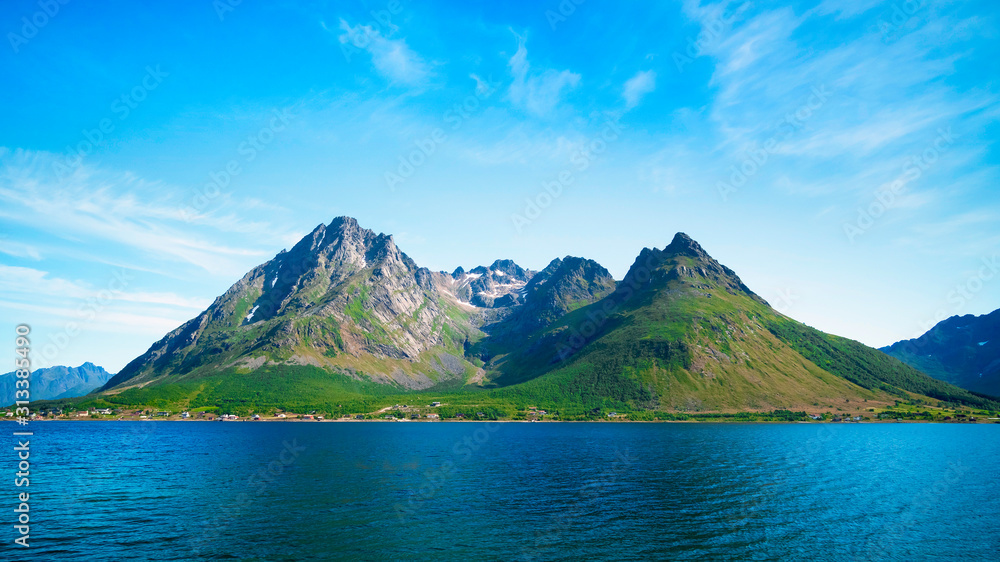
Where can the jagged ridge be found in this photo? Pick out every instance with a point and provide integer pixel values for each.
(680, 331)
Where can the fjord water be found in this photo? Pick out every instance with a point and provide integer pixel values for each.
(506, 491)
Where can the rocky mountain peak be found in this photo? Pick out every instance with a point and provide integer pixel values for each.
(509, 268)
(342, 243)
(345, 223)
(564, 285)
(569, 280)
(498, 286)
(683, 260)
(684, 245)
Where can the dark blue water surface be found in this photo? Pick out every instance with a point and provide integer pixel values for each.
(507, 491)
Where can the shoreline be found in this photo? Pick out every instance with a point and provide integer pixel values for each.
(694, 421)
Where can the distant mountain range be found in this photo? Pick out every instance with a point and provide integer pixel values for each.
(56, 382)
(962, 350)
(345, 311)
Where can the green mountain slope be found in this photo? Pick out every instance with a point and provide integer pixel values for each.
(682, 332)
(563, 286)
(345, 318)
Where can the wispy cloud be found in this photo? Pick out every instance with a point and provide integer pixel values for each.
(32, 281)
(148, 323)
(108, 206)
(38, 283)
(958, 223)
(392, 58)
(18, 249)
(848, 8)
(887, 99)
(638, 86)
(538, 93)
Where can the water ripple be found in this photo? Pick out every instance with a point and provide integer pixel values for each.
(184, 491)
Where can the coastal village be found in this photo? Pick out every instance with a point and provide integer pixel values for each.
(436, 412)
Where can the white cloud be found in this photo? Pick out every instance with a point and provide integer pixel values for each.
(18, 249)
(38, 283)
(15, 279)
(887, 99)
(94, 204)
(638, 86)
(538, 93)
(483, 87)
(958, 223)
(392, 58)
(108, 321)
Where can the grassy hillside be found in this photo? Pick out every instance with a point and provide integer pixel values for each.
(870, 368)
(687, 335)
(680, 334)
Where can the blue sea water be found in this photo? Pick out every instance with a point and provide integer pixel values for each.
(507, 491)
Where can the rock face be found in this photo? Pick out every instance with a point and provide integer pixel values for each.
(962, 350)
(53, 383)
(563, 286)
(680, 331)
(683, 259)
(340, 296)
(497, 286)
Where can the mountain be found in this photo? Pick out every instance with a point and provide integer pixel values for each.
(496, 286)
(345, 315)
(53, 383)
(342, 299)
(563, 286)
(962, 350)
(683, 332)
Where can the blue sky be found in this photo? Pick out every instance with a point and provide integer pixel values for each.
(840, 155)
